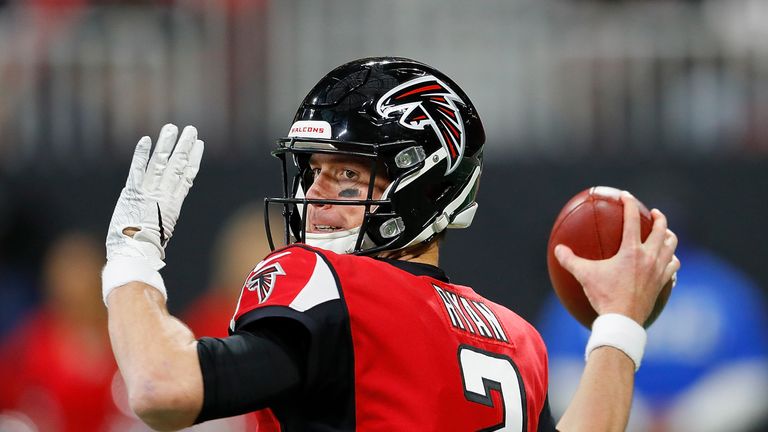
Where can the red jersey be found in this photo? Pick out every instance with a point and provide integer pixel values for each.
(395, 346)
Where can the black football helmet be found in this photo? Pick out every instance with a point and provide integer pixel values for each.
(405, 116)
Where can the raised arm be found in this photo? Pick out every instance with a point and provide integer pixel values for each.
(157, 356)
(623, 291)
(156, 353)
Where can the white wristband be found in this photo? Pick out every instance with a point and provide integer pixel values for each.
(620, 332)
(119, 271)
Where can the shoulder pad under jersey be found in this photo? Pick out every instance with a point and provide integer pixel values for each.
(296, 277)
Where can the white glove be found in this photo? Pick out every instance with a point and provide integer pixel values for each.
(150, 202)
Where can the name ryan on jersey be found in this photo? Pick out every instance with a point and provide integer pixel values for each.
(466, 316)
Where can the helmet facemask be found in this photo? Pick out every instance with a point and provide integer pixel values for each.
(380, 228)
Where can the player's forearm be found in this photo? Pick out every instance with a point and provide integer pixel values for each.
(604, 396)
(157, 356)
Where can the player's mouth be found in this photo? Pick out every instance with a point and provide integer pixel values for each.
(317, 228)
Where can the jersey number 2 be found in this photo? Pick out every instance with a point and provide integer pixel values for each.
(483, 371)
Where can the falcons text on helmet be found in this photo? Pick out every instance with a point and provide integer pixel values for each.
(428, 101)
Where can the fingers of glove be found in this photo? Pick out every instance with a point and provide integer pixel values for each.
(159, 159)
(190, 171)
(179, 159)
(138, 164)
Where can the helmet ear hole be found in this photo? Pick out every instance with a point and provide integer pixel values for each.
(392, 228)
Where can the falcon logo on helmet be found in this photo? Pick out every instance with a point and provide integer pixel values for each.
(428, 101)
(263, 280)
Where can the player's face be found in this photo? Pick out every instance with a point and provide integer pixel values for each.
(340, 177)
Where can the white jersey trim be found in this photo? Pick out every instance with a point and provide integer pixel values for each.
(320, 288)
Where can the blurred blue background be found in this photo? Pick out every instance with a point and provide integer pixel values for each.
(668, 99)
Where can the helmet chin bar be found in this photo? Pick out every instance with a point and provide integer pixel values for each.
(291, 208)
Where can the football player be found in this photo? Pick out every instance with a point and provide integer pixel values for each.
(354, 326)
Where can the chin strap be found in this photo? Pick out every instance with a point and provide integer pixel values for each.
(340, 242)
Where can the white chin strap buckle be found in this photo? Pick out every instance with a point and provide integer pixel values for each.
(440, 223)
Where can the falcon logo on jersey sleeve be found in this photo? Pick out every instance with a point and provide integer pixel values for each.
(263, 281)
(296, 277)
(428, 101)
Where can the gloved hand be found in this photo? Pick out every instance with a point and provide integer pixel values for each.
(149, 206)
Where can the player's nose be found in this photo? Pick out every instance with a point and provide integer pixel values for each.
(321, 188)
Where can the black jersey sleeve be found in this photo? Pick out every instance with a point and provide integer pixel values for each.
(296, 295)
(546, 421)
(251, 369)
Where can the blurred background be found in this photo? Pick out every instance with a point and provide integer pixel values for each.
(668, 99)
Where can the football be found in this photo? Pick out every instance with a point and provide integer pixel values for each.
(591, 224)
